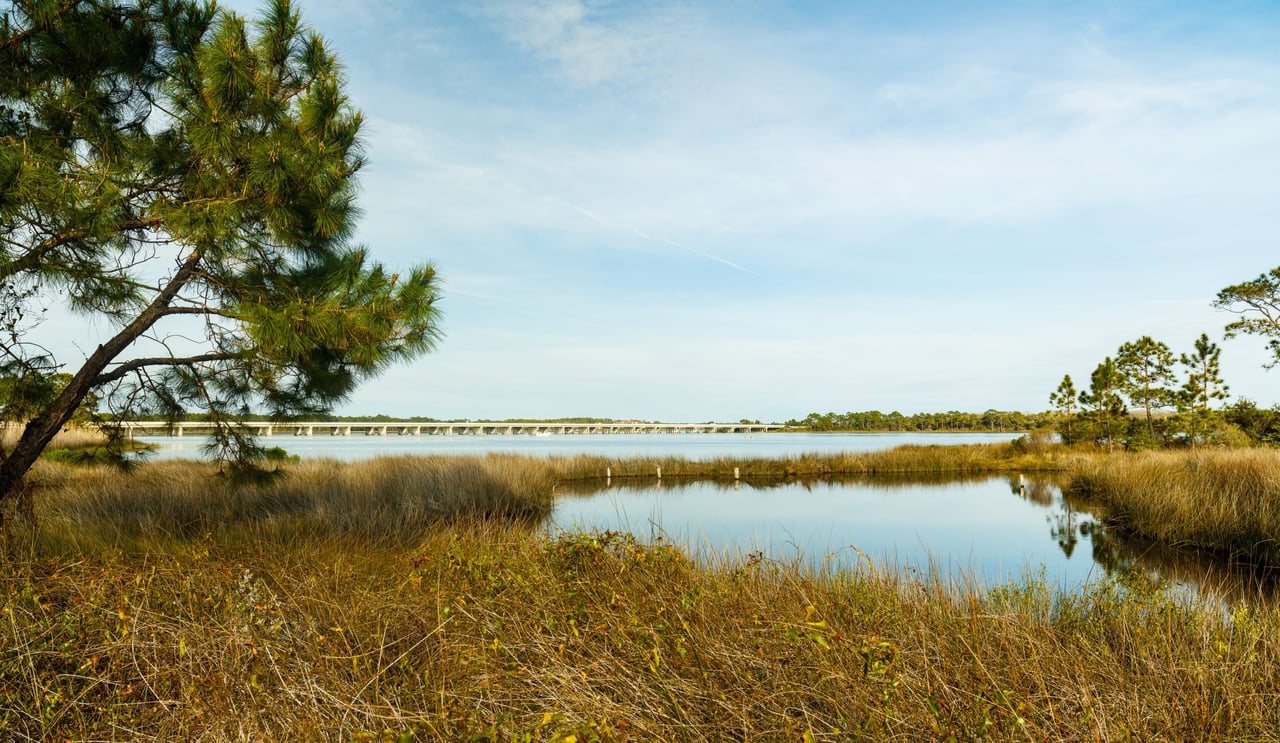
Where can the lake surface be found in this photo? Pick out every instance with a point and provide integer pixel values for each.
(992, 529)
(693, 446)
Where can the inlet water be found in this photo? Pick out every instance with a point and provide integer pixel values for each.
(991, 530)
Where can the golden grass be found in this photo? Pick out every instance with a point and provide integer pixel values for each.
(407, 599)
(384, 497)
(910, 459)
(1223, 500)
(72, 437)
(498, 633)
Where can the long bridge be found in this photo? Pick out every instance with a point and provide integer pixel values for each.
(439, 428)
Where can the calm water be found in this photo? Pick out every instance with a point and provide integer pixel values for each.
(690, 446)
(991, 529)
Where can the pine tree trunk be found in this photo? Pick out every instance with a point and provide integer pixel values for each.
(41, 430)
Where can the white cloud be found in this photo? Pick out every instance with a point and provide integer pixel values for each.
(1112, 100)
(734, 137)
(626, 129)
(590, 43)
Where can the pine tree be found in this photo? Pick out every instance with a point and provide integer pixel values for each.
(1146, 375)
(1257, 302)
(1204, 385)
(190, 178)
(1105, 407)
(1064, 399)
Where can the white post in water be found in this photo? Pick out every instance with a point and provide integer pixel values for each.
(735, 473)
(659, 472)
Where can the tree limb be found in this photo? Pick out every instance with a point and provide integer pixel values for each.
(41, 429)
(132, 366)
(30, 260)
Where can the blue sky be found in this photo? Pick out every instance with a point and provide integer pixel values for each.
(693, 211)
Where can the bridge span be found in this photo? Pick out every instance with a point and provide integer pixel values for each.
(440, 428)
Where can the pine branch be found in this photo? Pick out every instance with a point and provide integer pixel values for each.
(16, 41)
(203, 310)
(30, 261)
(131, 366)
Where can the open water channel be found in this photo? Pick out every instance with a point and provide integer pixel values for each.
(986, 529)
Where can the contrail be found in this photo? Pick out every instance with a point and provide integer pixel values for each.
(597, 218)
(645, 235)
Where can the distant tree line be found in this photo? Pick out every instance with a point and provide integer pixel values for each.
(952, 420)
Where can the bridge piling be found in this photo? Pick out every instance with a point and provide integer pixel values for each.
(442, 428)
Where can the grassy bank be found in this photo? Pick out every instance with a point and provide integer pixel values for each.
(73, 437)
(1220, 500)
(1225, 501)
(498, 633)
(911, 459)
(72, 445)
(388, 497)
(408, 599)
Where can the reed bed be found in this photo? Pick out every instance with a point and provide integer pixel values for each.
(393, 497)
(73, 437)
(499, 633)
(910, 459)
(1225, 500)
(410, 599)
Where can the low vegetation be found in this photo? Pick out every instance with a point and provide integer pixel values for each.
(385, 498)
(412, 599)
(1029, 455)
(71, 438)
(501, 633)
(1223, 501)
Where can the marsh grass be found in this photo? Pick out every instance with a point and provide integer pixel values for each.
(587, 487)
(1225, 500)
(389, 497)
(902, 460)
(73, 437)
(410, 599)
(496, 632)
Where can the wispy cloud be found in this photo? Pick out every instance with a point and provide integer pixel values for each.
(590, 43)
(722, 150)
(1039, 160)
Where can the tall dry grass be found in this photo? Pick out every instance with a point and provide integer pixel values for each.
(218, 621)
(910, 459)
(394, 497)
(72, 437)
(498, 634)
(1223, 500)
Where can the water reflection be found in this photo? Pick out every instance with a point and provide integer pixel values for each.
(994, 529)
